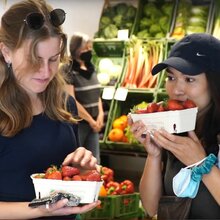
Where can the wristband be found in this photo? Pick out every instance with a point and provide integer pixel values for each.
(204, 168)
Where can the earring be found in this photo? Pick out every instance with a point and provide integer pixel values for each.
(9, 65)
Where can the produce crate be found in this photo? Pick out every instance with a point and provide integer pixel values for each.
(109, 70)
(109, 48)
(192, 16)
(117, 15)
(155, 18)
(107, 108)
(215, 26)
(141, 56)
(115, 207)
(123, 108)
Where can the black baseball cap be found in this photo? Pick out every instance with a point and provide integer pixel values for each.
(193, 55)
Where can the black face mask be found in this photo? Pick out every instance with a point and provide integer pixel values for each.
(86, 56)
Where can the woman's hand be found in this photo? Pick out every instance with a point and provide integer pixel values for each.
(82, 157)
(187, 149)
(100, 121)
(59, 208)
(138, 129)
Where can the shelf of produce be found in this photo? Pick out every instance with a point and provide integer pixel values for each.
(116, 140)
(192, 16)
(117, 15)
(155, 19)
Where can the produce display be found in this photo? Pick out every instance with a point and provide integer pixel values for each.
(117, 133)
(113, 187)
(109, 70)
(116, 17)
(155, 19)
(190, 18)
(216, 26)
(141, 58)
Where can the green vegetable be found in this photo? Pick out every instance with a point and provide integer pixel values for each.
(121, 9)
(154, 28)
(104, 21)
(131, 12)
(110, 31)
(118, 20)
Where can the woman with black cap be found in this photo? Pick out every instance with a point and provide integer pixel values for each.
(193, 72)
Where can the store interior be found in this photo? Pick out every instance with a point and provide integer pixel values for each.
(147, 25)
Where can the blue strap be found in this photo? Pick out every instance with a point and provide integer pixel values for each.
(204, 168)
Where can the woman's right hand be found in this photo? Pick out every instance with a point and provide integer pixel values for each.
(139, 129)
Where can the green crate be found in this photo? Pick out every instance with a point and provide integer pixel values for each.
(115, 207)
(127, 204)
(134, 97)
(106, 210)
(109, 48)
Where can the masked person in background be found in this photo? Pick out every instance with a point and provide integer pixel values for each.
(37, 123)
(84, 86)
(193, 72)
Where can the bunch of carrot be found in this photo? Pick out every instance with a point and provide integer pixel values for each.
(141, 57)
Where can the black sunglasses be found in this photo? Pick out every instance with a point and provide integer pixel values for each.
(36, 20)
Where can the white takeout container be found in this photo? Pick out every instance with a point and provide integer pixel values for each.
(177, 121)
(88, 191)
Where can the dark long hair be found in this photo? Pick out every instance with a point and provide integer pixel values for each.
(211, 127)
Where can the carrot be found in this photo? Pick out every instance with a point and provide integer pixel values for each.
(140, 64)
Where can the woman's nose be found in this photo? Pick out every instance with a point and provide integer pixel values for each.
(45, 69)
(179, 88)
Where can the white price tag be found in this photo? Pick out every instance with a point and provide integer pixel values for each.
(108, 93)
(123, 34)
(121, 94)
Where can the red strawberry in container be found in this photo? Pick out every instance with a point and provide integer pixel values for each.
(189, 104)
(53, 173)
(68, 171)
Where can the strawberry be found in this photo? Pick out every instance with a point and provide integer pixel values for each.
(67, 178)
(55, 175)
(93, 175)
(141, 111)
(189, 104)
(77, 178)
(39, 176)
(69, 171)
(173, 104)
(152, 107)
(160, 108)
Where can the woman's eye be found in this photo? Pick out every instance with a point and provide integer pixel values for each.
(53, 59)
(170, 78)
(190, 79)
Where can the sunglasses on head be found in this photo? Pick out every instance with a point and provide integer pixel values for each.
(36, 20)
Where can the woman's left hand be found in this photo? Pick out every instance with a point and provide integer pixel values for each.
(59, 208)
(82, 157)
(188, 149)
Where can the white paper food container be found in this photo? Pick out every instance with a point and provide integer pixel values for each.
(88, 191)
(172, 121)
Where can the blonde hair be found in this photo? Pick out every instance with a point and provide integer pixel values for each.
(15, 105)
